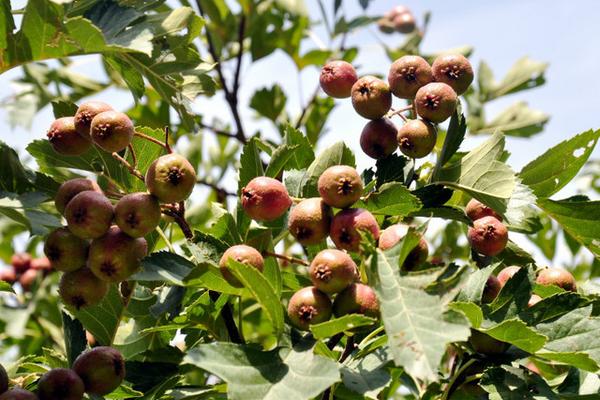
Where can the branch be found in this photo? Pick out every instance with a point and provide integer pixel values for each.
(153, 140)
(232, 330)
(292, 260)
(130, 167)
(310, 102)
(217, 130)
(241, 31)
(218, 189)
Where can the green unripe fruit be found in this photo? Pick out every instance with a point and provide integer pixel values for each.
(436, 102)
(393, 234)
(378, 138)
(309, 306)
(3, 380)
(86, 113)
(491, 289)
(116, 256)
(64, 138)
(81, 288)
(265, 199)
(60, 384)
(89, 214)
(371, 97)
(416, 138)
(65, 251)
(488, 236)
(242, 254)
(454, 70)
(102, 370)
(137, 214)
(340, 186)
(331, 271)
(309, 221)
(347, 225)
(337, 78)
(171, 178)
(407, 75)
(558, 277)
(18, 394)
(70, 189)
(112, 131)
(356, 299)
(485, 344)
(507, 273)
(476, 210)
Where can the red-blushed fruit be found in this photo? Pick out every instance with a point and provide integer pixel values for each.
(3, 380)
(404, 23)
(378, 138)
(137, 214)
(116, 256)
(21, 262)
(436, 102)
(309, 306)
(337, 78)
(532, 367)
(407, 75)
(558, 277)
(171, 178)
(243, 254)
(391, 235)
(70, 189)
(371, 97)
(65, 251)
(491, 289)
(86, 113)
(309, 221)
(28, 278)
(331, 271)
(112, 130)
(64, 138)
(476, 210)
(533, 300)
(60, 384)
(81, 288)
(89, 214)
(347, 225)
(265, 199)
(488, 236)
(18, 394)
(507, 273)
(340, 186)
(454, 70)
(485, 344)
(356, 299)
(101, 369)
(385, 25)
(8, 275)
(42, 265)
(416, 138)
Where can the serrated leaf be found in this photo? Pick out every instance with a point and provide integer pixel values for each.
(251, 374)
(391, 199)
(517, 120)
(102, 320)
(164, 267)
(551, 171)
(279, 159)
(304, 155)
(250, 164)
(269, 102)
(517, 333)
(524, 74)
(470, 310)
(454, 137)
(367, 376)
(413, 320)
(341, 324)
(508, 383)
(336, 154)
(75, 340)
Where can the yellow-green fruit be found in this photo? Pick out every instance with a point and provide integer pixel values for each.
(436, 102)
(112, 131)
(309, 221)
(101, 369)
(171, 178)
(81, 288)
(66, 251)
(340, 186)
(416, 138)
(137, 214)
(309, 306)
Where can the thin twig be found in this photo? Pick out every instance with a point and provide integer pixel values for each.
(131, 169)
(216, 188)
(241, 31)
(227, 315)
(133, 156)
(218, 131)
(292, 260)
(310, 102)
(167, 145)
(151, 139)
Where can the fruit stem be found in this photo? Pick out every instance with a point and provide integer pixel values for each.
(167, 145)
(161, 233)
(131, 169)
(178, 214)
(216, 188)
(292, 260)
(399, 112)
(296, 200)
(153, 140)
(133, 156)
(232, 330)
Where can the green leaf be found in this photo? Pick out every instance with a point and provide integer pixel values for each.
(517, 120)
(261, 290)
(250, 164)
(470, 310)
(524, 74)
(413, 320)
(506, 382)
(6, 287)
(269, 102)
(367, 376)
(338, 325)
(304, 155)
(13, 176)
(75, 340)
(316, 117)
(551, 171)
(579, 218)
(482, 175)
(280, 159)
(336, 154)
(391, 199)
(26, 210)
(517, 333)
(102, 320)
(454, 137)
(252, 374)
(164, 267)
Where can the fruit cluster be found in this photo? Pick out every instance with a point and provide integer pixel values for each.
(104, 243)
(25, 269)
(398, 19)
(98, 372)
(432, 91)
